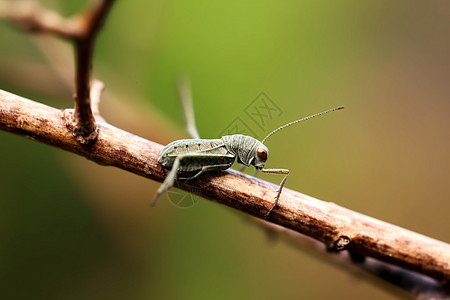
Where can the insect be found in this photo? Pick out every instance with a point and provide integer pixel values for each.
(189, 158)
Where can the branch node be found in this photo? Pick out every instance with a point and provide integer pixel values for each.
(85, 135)
(340, 244)
(82, 133)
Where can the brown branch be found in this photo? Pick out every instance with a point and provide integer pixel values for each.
(82, 30)
(337, 227)
(417, 285)
(89, 24)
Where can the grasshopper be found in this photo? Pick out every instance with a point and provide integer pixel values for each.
(193, 157)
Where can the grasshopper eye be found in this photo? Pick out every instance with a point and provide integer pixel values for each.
(261, 153)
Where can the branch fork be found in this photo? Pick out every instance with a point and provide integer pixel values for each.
(81, 30)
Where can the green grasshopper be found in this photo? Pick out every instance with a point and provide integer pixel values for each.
(193, 157)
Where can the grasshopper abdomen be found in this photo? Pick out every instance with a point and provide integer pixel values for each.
(197, 154)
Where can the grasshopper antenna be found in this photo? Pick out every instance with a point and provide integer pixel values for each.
(300, 120)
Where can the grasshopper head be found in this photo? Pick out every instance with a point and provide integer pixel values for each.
(260, 156)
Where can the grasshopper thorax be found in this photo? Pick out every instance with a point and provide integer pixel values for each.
(249, 151)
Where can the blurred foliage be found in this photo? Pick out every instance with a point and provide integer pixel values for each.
(70, 229)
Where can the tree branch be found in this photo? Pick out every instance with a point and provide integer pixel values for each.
(89, 24)
(417, 285)
(82, 30)
(337, 227)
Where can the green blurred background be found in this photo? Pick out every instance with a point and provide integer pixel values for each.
(71, 229)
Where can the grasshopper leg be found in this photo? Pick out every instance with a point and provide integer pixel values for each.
(185, 96)
(168, 182)
(170, 179)
(280, 188)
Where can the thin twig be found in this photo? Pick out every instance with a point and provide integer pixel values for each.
(82, 30)
(89, 24)
(338, 228)
(30, 16)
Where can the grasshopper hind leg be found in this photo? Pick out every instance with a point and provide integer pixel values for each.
(185, 96)
(168, 182)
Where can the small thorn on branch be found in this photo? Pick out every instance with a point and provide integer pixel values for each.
(340, 244)
(96, 92)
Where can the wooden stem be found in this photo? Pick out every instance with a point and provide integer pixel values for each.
(337, 227)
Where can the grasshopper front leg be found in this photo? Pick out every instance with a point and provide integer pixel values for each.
(280, 188)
